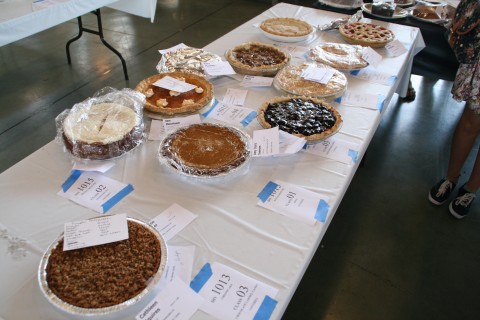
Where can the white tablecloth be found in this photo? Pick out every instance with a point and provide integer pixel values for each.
(230, 228)
(22, 18)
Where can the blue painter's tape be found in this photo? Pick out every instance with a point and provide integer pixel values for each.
(201, 278)
(245, 122)
(353, 154)
(338, 100)
(267, 191)
(116, 198)
(266, 309)
(322, 210)
(392, 80)
(380, 102)
(215, 103)
(74, 175)
(354, 72)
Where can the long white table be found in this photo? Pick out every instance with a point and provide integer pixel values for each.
(23, 18)
(230, 228)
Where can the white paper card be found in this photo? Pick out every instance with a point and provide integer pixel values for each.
(395, 48)
(218, 68)
(371, 56)
(174, 48)
(256, 81)
(94, 165)
(235, 97)
(230, 294)
(157, 130)
(318, 74)
(173, 84)
(172, 124)
(373, 76)
(175, 302)
(335, 149)
(360, 99)
(93, 190)
(172, 221)
(294, 201)
(179, 264)
(231, 114)
(94, 232)
(295, 51)
(266, 142)
(289, 143)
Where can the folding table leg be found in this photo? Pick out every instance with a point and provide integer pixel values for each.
(99, 33)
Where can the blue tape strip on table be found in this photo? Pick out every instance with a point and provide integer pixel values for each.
(380, 103)
(201, 278)
(116, 198)
(322, 210)
(266, 309)
(353, 154)
(245, 122)
(267, 191)
(206, 113)
(74, 175)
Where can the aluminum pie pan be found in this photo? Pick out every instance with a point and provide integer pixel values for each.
(190, 173)
(75, 310)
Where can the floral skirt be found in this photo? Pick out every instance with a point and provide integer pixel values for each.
(466, 86)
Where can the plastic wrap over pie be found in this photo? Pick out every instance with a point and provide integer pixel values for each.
(205, 150)
(102, 279)
(306, 117)
(103, 127)
(339, 56)
(366, 34)
(164, 101)
(289, 80)
(256, 58)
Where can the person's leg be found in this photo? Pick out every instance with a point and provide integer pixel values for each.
(464, 138)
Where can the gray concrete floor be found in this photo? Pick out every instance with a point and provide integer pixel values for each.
(388, 253)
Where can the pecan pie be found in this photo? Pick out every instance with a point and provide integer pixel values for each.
(290, 80)
(205, 150)
(339, 56)
(286, 27)
(366, 34)
(163, 101)
(310, 118)
(255, 58)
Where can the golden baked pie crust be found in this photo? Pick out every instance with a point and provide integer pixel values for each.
(317, 136)
(186, 102)
(340, 56)
(286, 27)
(266, 69)
(366, 34)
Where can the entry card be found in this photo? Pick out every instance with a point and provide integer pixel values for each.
(335, 149)
(362, 99)
(231, 114)
(373, 76)
(235, 97)
(94, 232)
(256, 81)
(275, 142)
(175, 302)
(160, 127)
(179, 264)
(230, 294)
(395, 48)
(173, 84)
(172, 221)
(371, 56)
(94, 165)
(294, 201)
(218, 68)
(93, 190)
(318, 74)
(174, 48)
(295, 51)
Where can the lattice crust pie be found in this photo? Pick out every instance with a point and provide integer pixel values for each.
(286, 27)
(104, 275)
(164, 101)
(366, 34)
(255, 58)
(290, 80)
(102, 131)
(205, 150)
(310, 118)
(339, 56)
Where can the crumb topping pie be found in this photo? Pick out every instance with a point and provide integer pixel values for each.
(168, 102)
(291, 81)
(339, 56)
(255, 58)
(366, 34)
(286, 27)
(310, 118)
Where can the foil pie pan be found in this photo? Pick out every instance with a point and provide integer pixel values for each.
(186, 60)
(79, 311)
